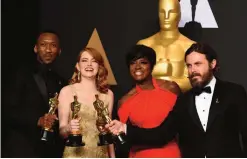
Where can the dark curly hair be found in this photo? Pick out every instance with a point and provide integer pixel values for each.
(141, 51)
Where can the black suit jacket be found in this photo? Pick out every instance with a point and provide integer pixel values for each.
(25, 101)
(226, 133)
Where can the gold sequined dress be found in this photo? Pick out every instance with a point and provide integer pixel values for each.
(89, 136)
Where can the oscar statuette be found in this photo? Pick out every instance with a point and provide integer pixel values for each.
(47, 132)
(75, 137)
(105, 137)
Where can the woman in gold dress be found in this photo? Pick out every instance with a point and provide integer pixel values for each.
(89, 79)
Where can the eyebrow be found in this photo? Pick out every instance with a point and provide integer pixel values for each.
(48, 41)
(172, 10)
(144, 59)
(198, 62)
(86, 58)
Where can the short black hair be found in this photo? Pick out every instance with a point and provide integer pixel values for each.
(205, 49)
(48, 31)
(141, 51)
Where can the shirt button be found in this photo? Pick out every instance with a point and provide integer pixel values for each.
(203, 110)
(204, 124)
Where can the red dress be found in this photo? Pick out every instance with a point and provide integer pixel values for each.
(147, 109)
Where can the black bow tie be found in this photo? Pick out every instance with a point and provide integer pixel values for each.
(198, 91)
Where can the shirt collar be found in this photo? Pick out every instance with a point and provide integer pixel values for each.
(211, 84)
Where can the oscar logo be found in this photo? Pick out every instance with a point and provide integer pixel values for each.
(75, 137)
(105, 137)
(47, 132)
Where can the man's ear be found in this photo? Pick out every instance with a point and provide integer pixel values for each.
(35, 49)
(59, 53)
(213, 64)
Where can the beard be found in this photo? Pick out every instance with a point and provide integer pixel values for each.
(205, 79)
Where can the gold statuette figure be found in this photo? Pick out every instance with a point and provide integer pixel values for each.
(170, 46)
(103, 118)
(47, 132)
(75, 137)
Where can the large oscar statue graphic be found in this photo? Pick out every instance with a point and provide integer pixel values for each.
(75, 137)
(47, 132)
(105, 137)
(170, 46)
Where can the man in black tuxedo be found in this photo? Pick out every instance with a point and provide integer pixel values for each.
(210, 119)
(26, 102)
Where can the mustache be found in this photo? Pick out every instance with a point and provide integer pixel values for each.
(193, 75)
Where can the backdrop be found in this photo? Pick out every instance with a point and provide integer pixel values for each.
(120, 24)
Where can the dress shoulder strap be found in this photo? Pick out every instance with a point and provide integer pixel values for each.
(156, 86)
(104, 97)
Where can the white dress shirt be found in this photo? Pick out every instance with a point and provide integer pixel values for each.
(203, 103)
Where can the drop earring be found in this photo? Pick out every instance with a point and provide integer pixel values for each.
(79, 76)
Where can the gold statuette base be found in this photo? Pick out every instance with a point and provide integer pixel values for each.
(74, 140)
(105, 139)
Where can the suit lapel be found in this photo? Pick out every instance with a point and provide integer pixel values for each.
(215, 103)
(41, 85)
(193, 111)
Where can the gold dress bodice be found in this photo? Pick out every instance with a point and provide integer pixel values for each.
(89, 136)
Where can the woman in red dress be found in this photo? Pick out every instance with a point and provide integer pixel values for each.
(148, 103)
